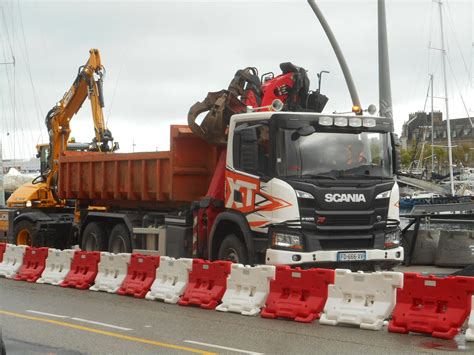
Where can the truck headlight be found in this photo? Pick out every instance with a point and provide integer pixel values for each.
(355, 122)
(392, 239)
(340, 121)
(325, 121)
(28, 204)
(385, 194)
(304, 194)
(287, 240)
(369, 122)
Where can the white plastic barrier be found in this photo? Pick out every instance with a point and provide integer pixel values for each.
(112, 272)
(12, 260)
(470, 330)
(247, 289)
(58, 265)
(171, 279)
(362, 299)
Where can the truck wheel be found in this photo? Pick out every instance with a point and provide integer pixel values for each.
(119, 241)
(94, 238)
(23, 232)
(233, 250)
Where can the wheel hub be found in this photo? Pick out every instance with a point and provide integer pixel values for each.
(92, 243)
(24, 237)
(118, 246)
(232, 255)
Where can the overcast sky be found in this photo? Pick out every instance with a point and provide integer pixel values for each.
(163, 56)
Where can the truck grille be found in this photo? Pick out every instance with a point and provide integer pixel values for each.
(346, 244)
(346, 220)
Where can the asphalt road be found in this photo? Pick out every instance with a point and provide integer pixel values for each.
(44, 319)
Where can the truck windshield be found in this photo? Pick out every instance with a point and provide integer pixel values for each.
(333, 155)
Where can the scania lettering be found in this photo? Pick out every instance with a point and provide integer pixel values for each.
(344, 198)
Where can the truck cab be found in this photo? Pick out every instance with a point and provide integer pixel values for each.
(315, 189)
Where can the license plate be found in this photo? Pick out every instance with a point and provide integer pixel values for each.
(351, 256)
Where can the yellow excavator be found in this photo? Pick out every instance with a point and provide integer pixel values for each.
(36, 215)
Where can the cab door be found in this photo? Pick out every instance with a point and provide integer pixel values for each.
(247, 187)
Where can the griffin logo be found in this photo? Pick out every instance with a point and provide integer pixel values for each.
(344, 198)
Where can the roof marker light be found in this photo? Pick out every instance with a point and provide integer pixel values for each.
(356, 109)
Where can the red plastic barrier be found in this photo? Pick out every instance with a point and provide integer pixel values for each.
(140, 275)
(432, 305)
(84, 268)
(3, 246)
(207, 284)
(298, 294)
(33, 265)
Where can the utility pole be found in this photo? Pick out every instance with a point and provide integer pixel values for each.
(448, 127)
(2, 190)
(385, 91)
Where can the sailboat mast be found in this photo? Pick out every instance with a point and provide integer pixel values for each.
(432, 127)
(2, 190)
(448, 127)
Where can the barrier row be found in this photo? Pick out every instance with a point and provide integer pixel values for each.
(412, 302)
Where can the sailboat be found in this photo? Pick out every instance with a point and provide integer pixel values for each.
(460, 190)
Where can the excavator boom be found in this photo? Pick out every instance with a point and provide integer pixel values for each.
(87, 84)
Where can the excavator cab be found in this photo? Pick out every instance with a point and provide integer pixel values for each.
(43, 155)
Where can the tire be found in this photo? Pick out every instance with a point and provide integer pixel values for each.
(405, 242)
(233, 250)
(94, 237)
(24, 234)
(119, 240)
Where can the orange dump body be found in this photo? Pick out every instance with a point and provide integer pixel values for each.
(140, 180)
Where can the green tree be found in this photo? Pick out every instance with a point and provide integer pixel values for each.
(461, 153)
(441, 155)
(407, 156)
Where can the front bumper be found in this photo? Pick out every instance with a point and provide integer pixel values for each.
(284, 257)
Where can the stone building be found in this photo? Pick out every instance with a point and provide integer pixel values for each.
(418, 127)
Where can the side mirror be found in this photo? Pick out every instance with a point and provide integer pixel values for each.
(303, 131)
(397, 159)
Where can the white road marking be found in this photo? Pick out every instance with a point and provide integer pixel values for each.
(222, 347)
(78, 319)
(46, 314)
(100, 323)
